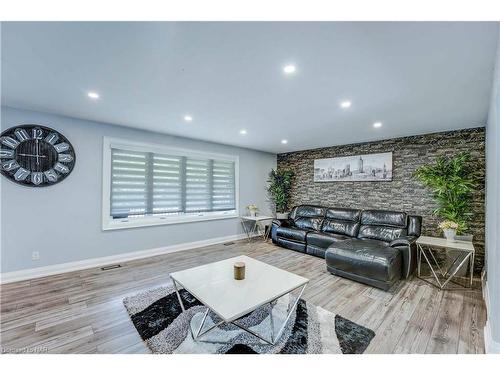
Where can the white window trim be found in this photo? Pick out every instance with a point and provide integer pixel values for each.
(109, 223)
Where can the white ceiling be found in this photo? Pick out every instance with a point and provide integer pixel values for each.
(414, 77)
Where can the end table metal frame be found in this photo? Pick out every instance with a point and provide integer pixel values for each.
(444, 273)
(253, 230)
(272, 340)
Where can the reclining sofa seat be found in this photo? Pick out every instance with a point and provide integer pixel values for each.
(339, 224)
(376, 247)
(291, 233)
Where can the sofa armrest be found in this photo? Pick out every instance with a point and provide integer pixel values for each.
(403, 241)
(408, 248)
(287, 223)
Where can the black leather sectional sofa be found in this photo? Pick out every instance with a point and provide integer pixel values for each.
(375, 247)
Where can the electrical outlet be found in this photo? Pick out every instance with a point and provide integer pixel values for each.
(35, 255)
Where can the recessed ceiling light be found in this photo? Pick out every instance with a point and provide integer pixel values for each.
(377, 124)
(289, 69)
(284, 141)
(345, 104)
(188, 118)
(243, 131)
(93, 95)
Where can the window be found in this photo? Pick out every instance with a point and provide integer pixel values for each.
(146, 184)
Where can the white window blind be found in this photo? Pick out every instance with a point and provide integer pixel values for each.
(129, 190)
(152, 184)
(223, 182)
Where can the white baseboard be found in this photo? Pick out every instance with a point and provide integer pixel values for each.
(32, 273)
(491, 346)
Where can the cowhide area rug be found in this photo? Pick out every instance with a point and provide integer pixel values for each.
(159, 319)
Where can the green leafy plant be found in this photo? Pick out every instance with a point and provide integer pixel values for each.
(280, 183)
(452, 180)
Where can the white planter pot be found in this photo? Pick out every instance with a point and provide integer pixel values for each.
(253, 213)
(281, 215)
(450, 234)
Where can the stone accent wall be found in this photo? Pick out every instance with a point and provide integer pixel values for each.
(404, 192)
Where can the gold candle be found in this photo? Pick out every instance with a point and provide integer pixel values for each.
(239, 271)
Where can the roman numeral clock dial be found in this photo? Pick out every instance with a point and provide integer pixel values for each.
(35, 155)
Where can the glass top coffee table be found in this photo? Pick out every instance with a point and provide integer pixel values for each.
(215, 287)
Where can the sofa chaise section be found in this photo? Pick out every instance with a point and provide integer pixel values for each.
(376, 247)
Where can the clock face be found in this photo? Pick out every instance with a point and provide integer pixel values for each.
(35, 155)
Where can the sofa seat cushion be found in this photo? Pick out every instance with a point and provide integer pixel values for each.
(316, 251)
(370, 259)
(293, 234)
(323, 240)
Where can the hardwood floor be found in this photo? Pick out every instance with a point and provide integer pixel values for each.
(82, 312)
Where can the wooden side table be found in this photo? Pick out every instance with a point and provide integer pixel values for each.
(255, 226)
(426, 249)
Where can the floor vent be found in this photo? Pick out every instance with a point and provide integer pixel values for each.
(228, 243)
(111, 267)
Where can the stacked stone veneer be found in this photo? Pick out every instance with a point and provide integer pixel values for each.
(404, 192)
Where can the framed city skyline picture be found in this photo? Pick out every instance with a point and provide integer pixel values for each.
(368, 167)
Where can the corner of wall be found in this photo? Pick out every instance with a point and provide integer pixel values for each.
(490, 345)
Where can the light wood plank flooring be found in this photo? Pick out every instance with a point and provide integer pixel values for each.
(82, 312)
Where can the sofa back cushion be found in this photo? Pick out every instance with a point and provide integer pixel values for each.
(307, 211)
(308, 217)
(414, 225)
(343, 214)
(343, 221)
(308, 223)
(383, 225)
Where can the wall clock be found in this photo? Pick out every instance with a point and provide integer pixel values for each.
(35, 155)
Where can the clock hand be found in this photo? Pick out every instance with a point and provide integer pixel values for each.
(37, 151)
(35, 156)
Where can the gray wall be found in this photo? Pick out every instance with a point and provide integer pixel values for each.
(403, 192)
(63, 222)
(493, 205)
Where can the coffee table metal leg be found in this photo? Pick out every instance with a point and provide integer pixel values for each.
(271, 321)
(252, 333)
(202, 323)
(274, 337)
(178, 296)
(199, 333)
(278, 335)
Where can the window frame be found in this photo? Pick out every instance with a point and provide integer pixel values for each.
(108, 223)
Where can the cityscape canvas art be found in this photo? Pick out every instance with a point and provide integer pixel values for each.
(369, 167)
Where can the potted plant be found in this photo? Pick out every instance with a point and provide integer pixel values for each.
(252, 208)
(452, 180)
(449, 229)
(280, 183)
